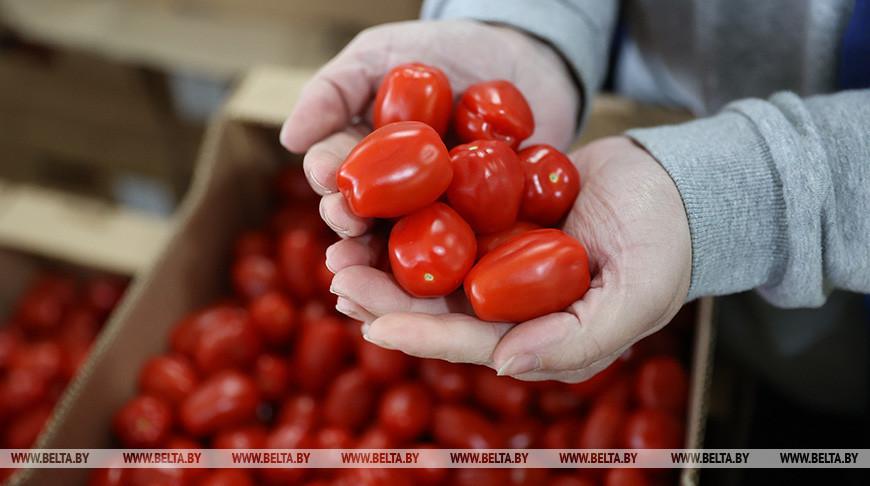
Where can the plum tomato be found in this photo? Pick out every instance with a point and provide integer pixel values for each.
(274, 316)
(603, 427)
(451, 382)
(650, 428)
(485, 243)
(504, 395)
(487, 184)
(405, 411)
(460, 427)
(350, 400)
(431, 251)
(414, 92)
(244, 437)
(228, 342)
(397, 169)
(144, 422)
(493, 110)
(254, 275)
(551, 184)
(662, 382)
(226, 399)
(320, 353)
(382, 365)
(170, 378)
(530, 275)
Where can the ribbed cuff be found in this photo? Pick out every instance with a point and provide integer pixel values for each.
(733, 198)
(580, 39)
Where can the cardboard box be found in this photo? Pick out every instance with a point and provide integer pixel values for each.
(228, 194)
(215, 37)
(83, 123)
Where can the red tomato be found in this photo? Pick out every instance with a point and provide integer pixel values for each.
(396, 170)
(231, 341)
(320, 353)
(523, 433)
(44, 357)
(481, 477)
(274, 316)
(598, 382)
(350, 401)
(504, 395)
(22, 432)
(228, 477)
(300, 409)
(494, 110)
(254, 275)
(78, 326)
(253, 242)
(43, 304)
(186, 333)
(429, 476)
(528, 476)
(164, 476)
(382, 365)
(562, 434)
(144, 422)
(170, 378)
(573, 481)
(414, 92)
(662, 382)
(286, 436)
(244, 437)
(487, 184)
(530, 275)
(451, 382)
(102, 293)
(623, 476)
(107, 477)
(485, 243)
(292, 185)
(272, 374)
(227, 399)
(551, 184)
(431, 251)
(11, 340)
(333, 437)
(603, 427)
(558, 401)
(405, 411)
(21, 389)
(375, 438)
(300, 252)
(649, 428)
(461, 427)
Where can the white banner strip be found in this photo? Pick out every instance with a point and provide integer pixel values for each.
(435, 458)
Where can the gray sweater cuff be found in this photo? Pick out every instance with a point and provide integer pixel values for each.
(579, 30)
(733, 199)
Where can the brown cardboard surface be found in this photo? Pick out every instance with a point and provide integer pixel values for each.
(79, 229)
(228, 193)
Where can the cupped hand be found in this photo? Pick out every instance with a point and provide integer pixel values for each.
(334, 108)
(630, 218)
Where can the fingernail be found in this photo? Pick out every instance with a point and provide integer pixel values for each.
(519, 364)
(336, 228)
(322, 188)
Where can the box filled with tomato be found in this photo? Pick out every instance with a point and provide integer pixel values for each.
(233, 342)
(51, 314)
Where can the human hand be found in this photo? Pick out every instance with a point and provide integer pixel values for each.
(630, 218)
(334, 109)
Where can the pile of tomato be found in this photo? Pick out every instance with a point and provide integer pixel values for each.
(43, 342)
(274, 366)
(480, 214)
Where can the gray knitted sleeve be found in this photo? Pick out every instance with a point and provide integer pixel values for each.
(777, 193)
(580, 30)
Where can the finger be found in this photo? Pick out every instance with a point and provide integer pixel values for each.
(453, 337)
(323, 159)
(332, 99)
(593, 329)
(379, 293)
(351, 252)
(354, 311)
(337, 214)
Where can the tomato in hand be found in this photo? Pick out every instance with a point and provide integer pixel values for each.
(485, 243)
(431, 251)
(530, 275)
(144, 422)
(494, 110)
(551, 184)
(405, 411)
(414, 92)
(487, 184)
(397, 169)
(227, 399)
